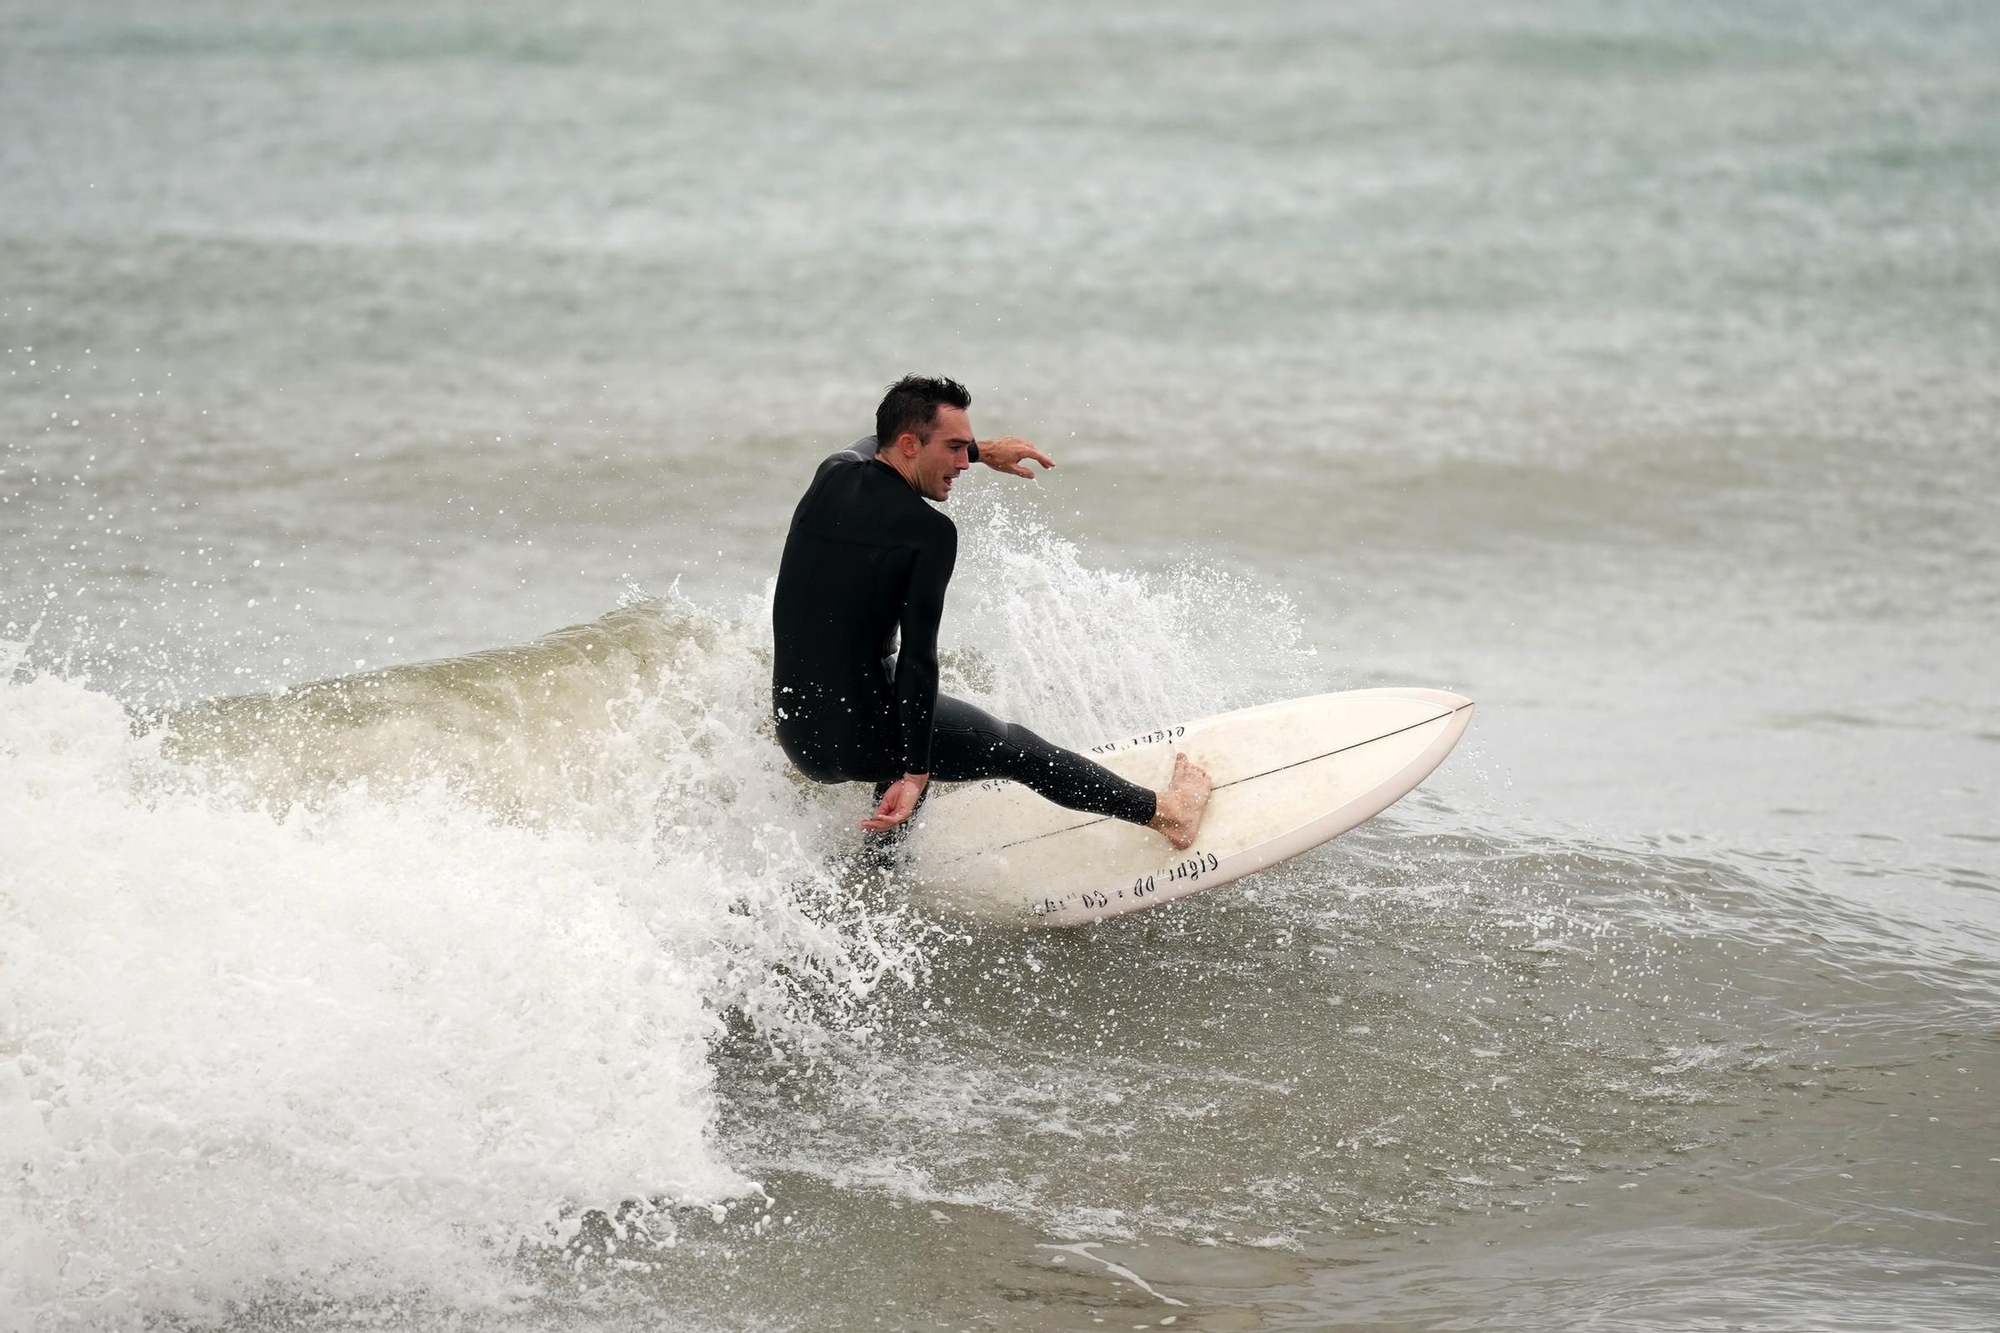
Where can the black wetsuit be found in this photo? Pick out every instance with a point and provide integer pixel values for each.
(868, 559)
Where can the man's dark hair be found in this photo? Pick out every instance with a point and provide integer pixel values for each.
(912, 404)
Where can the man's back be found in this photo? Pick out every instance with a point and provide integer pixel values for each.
(866, 558)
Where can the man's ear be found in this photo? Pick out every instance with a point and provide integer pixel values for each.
(910, 435)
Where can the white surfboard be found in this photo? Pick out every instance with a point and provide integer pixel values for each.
(1288, 776)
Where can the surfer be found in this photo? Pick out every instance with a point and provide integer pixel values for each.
(867, 560)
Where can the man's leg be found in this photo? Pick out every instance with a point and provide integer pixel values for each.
(971, 744)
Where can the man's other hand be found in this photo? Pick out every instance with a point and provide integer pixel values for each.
(900, 801)
(1006, 454)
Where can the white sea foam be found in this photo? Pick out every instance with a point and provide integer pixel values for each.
(342, 1051)
(374, 1033)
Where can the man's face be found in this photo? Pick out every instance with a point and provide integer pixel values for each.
(941, 460)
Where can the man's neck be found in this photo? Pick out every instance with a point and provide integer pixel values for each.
(907, 471)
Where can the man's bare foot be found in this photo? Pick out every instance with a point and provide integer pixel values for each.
(1182, 804)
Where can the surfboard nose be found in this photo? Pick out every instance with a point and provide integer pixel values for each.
(1442, 698)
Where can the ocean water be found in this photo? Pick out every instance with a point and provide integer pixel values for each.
(407, 920)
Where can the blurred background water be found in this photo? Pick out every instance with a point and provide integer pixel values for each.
(374, 952)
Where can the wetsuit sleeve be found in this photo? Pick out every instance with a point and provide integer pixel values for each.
(916, 664)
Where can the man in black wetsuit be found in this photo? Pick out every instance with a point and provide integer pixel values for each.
(866, 561)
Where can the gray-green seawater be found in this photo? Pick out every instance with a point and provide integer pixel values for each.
(363, 945)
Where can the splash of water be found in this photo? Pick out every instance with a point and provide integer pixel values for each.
(1084, 654)
(355, 989)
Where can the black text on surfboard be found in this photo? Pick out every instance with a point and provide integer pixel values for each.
(1145, 738)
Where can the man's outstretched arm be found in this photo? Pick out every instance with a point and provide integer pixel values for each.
(1007, 453)
(868, 446)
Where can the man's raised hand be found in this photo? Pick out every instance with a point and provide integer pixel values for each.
(1006, 453)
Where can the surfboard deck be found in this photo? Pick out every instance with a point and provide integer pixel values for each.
(1288, 776)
